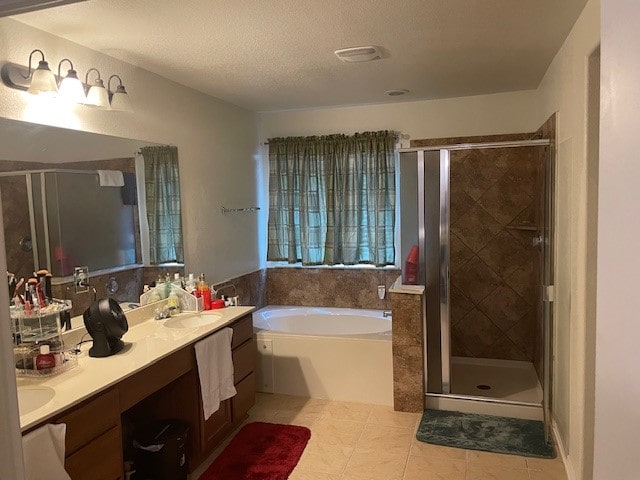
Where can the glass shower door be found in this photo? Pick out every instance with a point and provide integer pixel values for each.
(547, 282)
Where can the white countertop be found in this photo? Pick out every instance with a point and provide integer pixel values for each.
(150, 341)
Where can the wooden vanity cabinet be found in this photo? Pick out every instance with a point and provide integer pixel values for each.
(243, 353)
(167, 389)
(233, 411)
(93, 442)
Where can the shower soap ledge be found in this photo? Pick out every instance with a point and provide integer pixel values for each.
(399, 287)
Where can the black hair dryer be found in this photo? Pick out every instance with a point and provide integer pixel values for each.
(106, 323)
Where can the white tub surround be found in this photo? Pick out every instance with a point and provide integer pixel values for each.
(333, 353)
(150, 342)
(321, 321)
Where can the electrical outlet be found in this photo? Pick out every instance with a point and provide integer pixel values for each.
(81, 279)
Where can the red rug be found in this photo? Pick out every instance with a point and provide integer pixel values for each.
(260, 451)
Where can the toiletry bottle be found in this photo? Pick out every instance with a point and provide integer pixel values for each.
(154, 296)
(56, 348)
(167, 285)
(177, 281)
(160, 288)
(205, 292)
(173, 301)
(45, 360)
(191, 285)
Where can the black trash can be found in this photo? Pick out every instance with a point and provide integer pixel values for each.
(160, 450)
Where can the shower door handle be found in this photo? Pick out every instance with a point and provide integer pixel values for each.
(537, 241)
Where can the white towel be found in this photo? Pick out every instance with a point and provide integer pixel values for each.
(111, 178)
(43, 453)
(215, 369)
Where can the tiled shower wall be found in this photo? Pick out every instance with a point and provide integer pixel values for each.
(495, 213)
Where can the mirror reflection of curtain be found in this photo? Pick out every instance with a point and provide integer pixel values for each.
(332, 199)
(162, 183)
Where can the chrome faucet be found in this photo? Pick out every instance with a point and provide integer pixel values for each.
(224, 287)
(386, 313)
(162, 313)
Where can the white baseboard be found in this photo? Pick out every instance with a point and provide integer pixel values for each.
(571, 474)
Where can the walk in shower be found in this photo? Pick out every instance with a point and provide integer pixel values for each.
(481, 215)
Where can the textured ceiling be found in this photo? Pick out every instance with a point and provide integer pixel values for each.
(278, 54)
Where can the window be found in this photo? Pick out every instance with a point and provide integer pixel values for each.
(332, 199)
(162, 185)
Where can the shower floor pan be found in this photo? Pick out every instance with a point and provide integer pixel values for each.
(492, 387)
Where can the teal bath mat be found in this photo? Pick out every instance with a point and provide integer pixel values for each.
(484, 432)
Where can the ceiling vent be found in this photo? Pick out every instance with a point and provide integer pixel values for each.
(397, 92)
(359, 54)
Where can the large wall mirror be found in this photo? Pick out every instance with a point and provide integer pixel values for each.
(58, 212)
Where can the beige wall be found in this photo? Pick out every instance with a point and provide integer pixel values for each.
(216, 143)
(564, 89)
(467, 116)
(618, 328)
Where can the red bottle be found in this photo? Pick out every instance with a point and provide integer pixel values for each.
(45, 360)
(411, 267)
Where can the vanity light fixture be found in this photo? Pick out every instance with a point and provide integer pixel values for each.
(119, 99)
(97, 95)
(43, 81)
(71, 87)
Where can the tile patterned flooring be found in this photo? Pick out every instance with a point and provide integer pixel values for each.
(355, 441)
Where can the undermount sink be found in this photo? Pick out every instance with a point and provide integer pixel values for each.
(32, 398)
(193, 321)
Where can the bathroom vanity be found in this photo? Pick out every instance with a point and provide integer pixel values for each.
(156, 378)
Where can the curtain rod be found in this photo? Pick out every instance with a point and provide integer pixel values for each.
(139, 151)
(401, 136)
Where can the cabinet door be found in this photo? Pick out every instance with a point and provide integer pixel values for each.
(216, 427)
(100, 459)
(90, 420)
(245, 398)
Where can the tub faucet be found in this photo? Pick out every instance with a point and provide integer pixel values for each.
(224, 287)
(386, 313)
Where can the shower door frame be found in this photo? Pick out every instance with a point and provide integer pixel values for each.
(444, 250)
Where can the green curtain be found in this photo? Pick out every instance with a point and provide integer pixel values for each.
(332, 199)
(162, 183)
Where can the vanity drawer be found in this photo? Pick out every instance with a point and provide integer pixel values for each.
(154, 377)
(242, 331)
(243, 358)
(245, 398)
(99, 460)
(89, 420)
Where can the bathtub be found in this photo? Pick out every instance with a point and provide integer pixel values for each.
(334, 353)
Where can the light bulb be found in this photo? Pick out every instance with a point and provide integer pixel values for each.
(71, 88)
(120, 100)
(98, 96)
